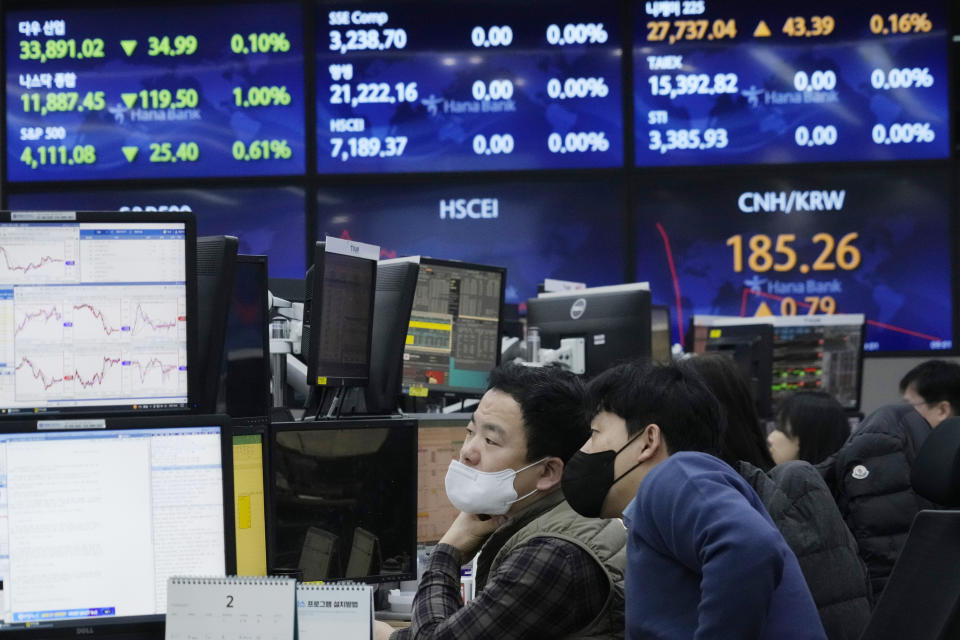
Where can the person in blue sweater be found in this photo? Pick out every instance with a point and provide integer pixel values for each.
(704, 559)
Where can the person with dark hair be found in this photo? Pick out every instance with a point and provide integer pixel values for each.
(870, 474)
(933, 389)
(704, 559)
(543, 570)
(743, 437)
(797, 499)
(811, 426)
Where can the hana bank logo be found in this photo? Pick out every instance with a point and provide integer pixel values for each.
(432, 103)
(753, 95)
(118, 112)
(464, 107)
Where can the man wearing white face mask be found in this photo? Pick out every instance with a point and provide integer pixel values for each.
(543, 571)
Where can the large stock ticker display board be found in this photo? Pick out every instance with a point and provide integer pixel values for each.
(791, 157)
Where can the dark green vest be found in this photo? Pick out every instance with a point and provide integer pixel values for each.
(551, 516)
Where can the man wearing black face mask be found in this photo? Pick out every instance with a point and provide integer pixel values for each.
(704, 559)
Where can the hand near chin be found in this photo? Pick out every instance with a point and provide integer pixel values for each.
(381, 630)
(469, 531)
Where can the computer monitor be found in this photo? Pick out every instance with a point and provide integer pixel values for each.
(454, 334)
(812, 352)
(512, 324)
(96, 520)
(660, 348)
(440, 440)
(338, 313)
(820, 352)
(96, 312)
(249, 499)
(613, 321)
(393, 301)
(244, 392)
(749, 342)
(216, 262)
(344, 499)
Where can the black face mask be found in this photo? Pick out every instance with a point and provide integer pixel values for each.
(588, 477)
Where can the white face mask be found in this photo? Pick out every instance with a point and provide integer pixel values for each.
(482, 492)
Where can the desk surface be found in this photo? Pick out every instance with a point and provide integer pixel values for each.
(395, 620)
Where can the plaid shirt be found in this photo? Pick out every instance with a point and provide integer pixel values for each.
(546, 588)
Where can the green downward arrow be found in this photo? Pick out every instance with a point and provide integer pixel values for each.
(130, 153)
(128, 46)
(129, 99)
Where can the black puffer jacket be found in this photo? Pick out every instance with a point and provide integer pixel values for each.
(801, 506)
(870, 479)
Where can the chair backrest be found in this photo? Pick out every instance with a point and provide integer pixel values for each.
(921, 599)
(936, 471)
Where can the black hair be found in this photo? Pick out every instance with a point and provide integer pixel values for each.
(675, 399)
(744, 438)
(551, 402)
(935, 381)
(817, 420)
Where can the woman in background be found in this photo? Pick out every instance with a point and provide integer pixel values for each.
(743, 438)
(811, 426)
(797, 499)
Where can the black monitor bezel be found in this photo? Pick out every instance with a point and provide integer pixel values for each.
(190, 253)
(382, 392)
(149, 625)
(217, 309)
(332, 425)
(267, 396)
(314, 375)
(736, 334)
(437, 391)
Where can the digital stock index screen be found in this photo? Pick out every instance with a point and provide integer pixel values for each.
(814, 242)
(202, 90)
(741, 82)
(92, 314)
(570, 230)
(464, 86)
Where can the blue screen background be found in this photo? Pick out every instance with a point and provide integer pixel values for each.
(569, 231)
(442, 60)
(587, 216)
(267, 220)
(764, 132)
(902, 284)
